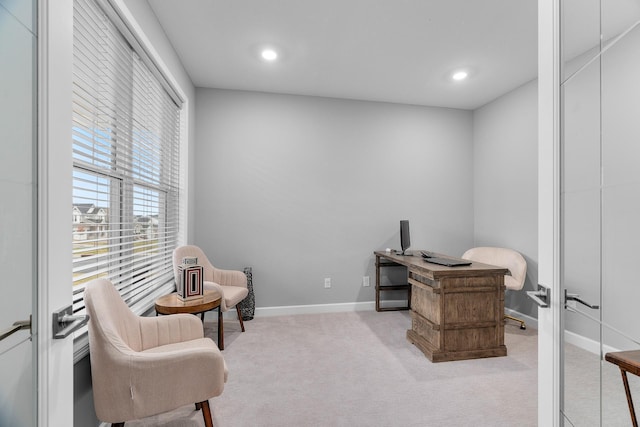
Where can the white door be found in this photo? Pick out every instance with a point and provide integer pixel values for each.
(36, 370)
(18, 247)
(589, 201)
(55, 356)
(548, 212)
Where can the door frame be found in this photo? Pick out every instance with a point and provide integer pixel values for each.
(54, 157)
(549, 125)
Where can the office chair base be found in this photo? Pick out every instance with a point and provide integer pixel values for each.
(522, 324)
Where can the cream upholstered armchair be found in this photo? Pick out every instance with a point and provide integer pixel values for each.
(143, 366)
(231, 284)
(507, 258)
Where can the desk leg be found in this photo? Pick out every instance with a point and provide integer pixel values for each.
(220, 329)
(629, 401)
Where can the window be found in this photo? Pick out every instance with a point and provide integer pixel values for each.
(126, 134)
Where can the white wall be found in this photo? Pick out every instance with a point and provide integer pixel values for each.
(303, 188)
(505, 150)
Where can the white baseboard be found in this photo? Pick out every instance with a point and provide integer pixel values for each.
(315, 308)
(587, 344)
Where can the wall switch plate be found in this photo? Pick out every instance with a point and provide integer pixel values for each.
(365, 281)
(327, 282)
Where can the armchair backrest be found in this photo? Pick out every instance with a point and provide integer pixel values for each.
(502, 257)
(182, 252)
(114, 337)
(112, 323)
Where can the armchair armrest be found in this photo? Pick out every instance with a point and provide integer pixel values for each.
(230, 277)
(197, 367)
(173, 328)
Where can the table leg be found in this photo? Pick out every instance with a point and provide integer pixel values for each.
(629, 401)
(377, 282)
(220, 329)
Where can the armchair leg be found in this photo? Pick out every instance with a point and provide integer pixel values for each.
(240, 318)
(206, 413)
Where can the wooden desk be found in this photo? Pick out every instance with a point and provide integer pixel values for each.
(456, 312)
(627, 361)
(171, 304)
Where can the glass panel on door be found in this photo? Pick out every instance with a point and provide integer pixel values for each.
(620, 201)
(600, 204)
(18, 399)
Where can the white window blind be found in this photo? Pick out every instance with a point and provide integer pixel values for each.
(126, 130)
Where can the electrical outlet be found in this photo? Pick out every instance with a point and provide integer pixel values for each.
(365, 281)
(327, 282)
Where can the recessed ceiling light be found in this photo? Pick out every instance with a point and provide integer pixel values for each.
(459, 75)
(269, 54)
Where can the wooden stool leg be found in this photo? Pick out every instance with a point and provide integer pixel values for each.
(629, 400)
(206, 413)
(240, 318)
(220, 330)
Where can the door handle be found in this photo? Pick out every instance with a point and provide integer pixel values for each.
(64, 322)
(576, 297)
(17, 326)
(542, 296)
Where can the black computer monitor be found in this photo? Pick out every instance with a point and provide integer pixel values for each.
(405, 239)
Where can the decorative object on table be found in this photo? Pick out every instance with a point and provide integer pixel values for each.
(190, 260)
(190, 279)
(248, 305)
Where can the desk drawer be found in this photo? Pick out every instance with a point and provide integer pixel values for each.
(426, 330)
(425, 301)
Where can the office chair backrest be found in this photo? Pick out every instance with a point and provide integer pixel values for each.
(502, 257)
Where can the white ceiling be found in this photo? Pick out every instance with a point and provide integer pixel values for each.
(401, 51)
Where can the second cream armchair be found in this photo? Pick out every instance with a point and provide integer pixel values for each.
(231, 284)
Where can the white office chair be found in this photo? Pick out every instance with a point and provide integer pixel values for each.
(507, 258)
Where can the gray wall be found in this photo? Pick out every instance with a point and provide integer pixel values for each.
(303, 188)
(505, 164)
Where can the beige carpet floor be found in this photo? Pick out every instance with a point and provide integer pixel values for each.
(358, 369)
